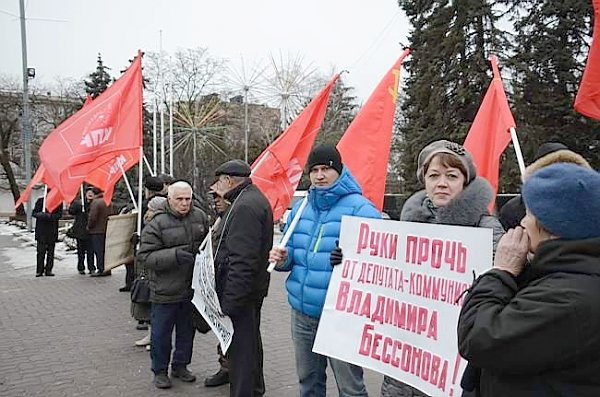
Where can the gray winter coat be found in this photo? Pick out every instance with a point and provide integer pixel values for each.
(469, 208)
(167, 232)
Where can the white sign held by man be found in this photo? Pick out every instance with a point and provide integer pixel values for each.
(205, 296)
(393, 303)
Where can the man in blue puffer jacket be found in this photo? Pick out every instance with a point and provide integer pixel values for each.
(333, 193)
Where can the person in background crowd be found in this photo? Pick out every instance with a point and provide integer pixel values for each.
(153, 186)
(513, 211)
(308, 256)
(453, 195)
(169, 244)
(80, 233)
(96, 227)
(220, 205)
(46, 235)
(242, 280)
(542, 339)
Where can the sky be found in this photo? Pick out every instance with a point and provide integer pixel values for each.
(65, 36)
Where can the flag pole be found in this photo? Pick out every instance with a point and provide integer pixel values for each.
(289, 231)
(45, 196)
(148, 166)
(128, 186)
(162, 140)
(171, 130)
(518, 152)
(82, 198)
(154, 142)
(140, 192)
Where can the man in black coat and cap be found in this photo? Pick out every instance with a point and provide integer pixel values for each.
(242, 280)
(46, 235)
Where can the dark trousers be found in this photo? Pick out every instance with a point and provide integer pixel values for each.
(84, 250)
(165, 317)
(97, 243)
(45, 251)
(246, 354)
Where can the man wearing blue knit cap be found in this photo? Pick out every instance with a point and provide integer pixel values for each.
(544, 338)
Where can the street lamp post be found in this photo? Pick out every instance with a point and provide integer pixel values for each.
(26, 125)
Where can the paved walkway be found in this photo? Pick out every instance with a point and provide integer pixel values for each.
(72, 335)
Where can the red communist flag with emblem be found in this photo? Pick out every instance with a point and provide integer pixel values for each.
(587, 101)
(489, 134)
(90, 138)
(278, 169)
(365, 146)
(106, 176)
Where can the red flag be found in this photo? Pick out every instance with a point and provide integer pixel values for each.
(111, 123)
(108, 174)
(587, 101)
(38, 177)
(365, 146)
(489, 134)
(278, 170)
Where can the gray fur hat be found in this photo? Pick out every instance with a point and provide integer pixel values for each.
(444, 146)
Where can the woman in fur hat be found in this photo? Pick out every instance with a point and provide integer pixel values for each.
(542, 339)
(453, 195)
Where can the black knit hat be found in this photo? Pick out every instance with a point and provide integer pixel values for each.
(154, 184)
(325, 155)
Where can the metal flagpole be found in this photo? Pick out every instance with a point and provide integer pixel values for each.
(140, 192)
(154, 143)
(148, 166)
(517, 146)
(45, 196)
(128, 186)
(162, 140)
(26, 129)
(171, 130)
(289, 231)
(82, 198)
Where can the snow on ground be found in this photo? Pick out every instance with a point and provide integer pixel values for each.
(18, 250)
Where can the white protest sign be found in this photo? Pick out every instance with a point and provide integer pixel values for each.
(393, 304)
(205, 296)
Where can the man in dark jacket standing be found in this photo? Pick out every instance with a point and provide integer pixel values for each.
(96, 226)
(79, 232)
(169, 244)
(242, 280)
(46, 235)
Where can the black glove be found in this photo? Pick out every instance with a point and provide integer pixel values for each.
(336, 255)
(134, 239)
(185, 258)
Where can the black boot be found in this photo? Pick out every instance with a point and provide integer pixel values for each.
(218, 379)
(162, 381)
(184, 374)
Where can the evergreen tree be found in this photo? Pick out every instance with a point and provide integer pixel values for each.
(551, 45)
(99, 80)
(341, 110)
(448, 73)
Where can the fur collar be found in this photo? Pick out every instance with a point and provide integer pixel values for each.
(465, 210)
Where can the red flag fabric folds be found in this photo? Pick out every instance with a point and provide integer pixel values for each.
(111, 123)
(489, 134)
(38, 177)
(108, 174)
(278, 169)
(587, 101)
(365, 146)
